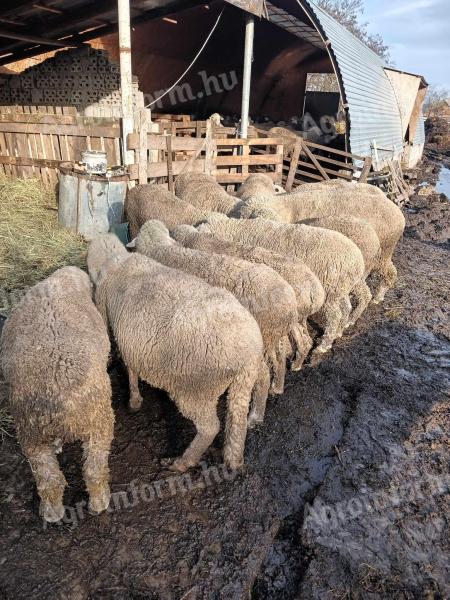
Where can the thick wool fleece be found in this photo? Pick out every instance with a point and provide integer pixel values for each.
(54, 351)
(204, 193)
(144, 202)
(360, 232)
(183, 336)
(307, 287)
(338, 199)
(257, 184)
(268, 297)
(335, 260)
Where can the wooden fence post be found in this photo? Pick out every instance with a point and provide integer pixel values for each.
(365, 170)
(293, 166)
(142, 154)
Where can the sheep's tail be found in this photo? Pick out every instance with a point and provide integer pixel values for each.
(239, 396)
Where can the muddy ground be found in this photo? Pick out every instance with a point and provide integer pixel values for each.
(345, 492)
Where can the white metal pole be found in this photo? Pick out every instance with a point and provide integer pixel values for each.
(126, 77)
(246, 83)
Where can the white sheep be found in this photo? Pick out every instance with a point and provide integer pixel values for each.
(307, 287)
(54, 355)
(257, 184)
(336, 260)
(181, 335)
(339, 199)
(203, 193)
(266, 295)
(144, 202)
(359, 231)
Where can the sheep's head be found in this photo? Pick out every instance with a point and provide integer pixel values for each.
(153, 233)
(216, 119)
(105, 252)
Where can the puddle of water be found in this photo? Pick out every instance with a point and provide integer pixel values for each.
(443, 184)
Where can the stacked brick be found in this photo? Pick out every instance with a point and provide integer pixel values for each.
(83, 78)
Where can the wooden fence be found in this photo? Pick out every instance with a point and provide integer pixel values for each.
(34, 141)
(34, 144)
(313, 162)
(229, 160)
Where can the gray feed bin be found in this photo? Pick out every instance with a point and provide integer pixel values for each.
(89, 204)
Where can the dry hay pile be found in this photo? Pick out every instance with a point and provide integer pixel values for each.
(32, 244)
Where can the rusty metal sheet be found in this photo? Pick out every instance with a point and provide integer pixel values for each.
(252, 6)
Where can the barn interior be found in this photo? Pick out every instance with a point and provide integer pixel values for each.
(166, 39)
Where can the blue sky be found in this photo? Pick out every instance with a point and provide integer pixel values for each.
(418, 34)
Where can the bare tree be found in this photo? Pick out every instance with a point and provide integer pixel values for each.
(436, 101)
(348, 13)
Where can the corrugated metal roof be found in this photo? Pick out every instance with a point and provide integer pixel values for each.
(419, 137)
(366, 89)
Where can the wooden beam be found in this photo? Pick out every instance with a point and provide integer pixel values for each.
(50, 9)
(33, 39)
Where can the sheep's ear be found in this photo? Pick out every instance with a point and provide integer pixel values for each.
(132, 244)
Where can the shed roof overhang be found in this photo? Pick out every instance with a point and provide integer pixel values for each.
(29, 28)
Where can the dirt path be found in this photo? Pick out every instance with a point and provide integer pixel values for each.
(363, 438)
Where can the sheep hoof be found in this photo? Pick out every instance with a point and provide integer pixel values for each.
(276, 389)
(51, 513)
(297, 364)
(100, 502)
(253, 421)
(135, 405)
(175, 465)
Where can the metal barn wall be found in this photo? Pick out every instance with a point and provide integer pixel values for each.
(373, 108)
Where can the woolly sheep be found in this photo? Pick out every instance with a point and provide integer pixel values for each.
(307, 287)
(144, 202)
(205, 194)
(336, 260)
(257, 184)
(54, 350)
(266, 295)
(185, 179)
(339, 198)
(181, 335)
(357, 230)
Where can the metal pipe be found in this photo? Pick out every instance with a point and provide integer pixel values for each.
(246, 82)
(126, 77)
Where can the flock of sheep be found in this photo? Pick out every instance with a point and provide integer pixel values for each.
(216, 298)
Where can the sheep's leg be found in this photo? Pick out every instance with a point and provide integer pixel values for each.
(277, 360)
(388, 275)
(50, 482)
(362, 296)
(207, 424)
(332, 315)
(259, 398)
(303, 344)
(96, 473)
(239, 394)
(135, 395)
(346, 309)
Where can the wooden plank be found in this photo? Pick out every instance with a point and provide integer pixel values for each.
(230, 178)
(316, 163)
(142, 150)
(366, 170)
(27, 161)
(210, 147)
(159, 169)
(293, 166)
(71, 130)
(279, 166)
(169, 163)
(333, 150)
(337, 175)
(249, 159)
